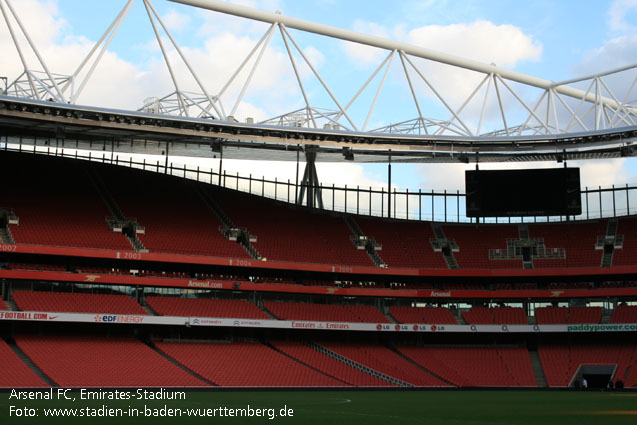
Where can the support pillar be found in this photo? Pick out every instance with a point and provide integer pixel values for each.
(389, 185)
(310, 183)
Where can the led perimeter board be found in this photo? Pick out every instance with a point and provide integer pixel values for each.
(517, 193)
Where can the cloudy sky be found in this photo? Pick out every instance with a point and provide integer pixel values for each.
(551, 39)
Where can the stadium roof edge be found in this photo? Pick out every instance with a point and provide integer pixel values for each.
(88, 125)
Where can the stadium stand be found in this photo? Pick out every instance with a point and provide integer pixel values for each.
(553, 236)
(59, 212)
(178, 219)
(171, 306)
(580, 251)
(94, 361)
(328, 365)
(3, 306)
(289, 234)
(474, 243)
(404, 243)
(465, 286)
(245, 364)
(40, 267)
(551, 315)
(386, 361)
(624, 314)
(174, 218)
(561, 361)
(476, 366)
(76, 302)
(563, 315)
(15, 373)
(325, 312)
(103, 270)
(496, 315)
(431, 315)
(627, 255)
(570, 285)
(584, 315)
(508, 316)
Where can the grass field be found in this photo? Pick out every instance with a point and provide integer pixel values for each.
(351, 407)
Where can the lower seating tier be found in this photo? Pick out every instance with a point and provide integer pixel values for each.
(386, 361)
(76, 302)
(561, 361)
(624, 314)
(94, 361)
(99, 361)
(245, 364)
(475, 366)
(171, 306)
(328, 365)
(430, 315)
(497, 315)
(15, 373)
(325, 312)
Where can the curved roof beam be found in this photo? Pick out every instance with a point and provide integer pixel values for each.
(421, 52)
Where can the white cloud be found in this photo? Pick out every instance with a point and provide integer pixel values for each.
(504, 45)
(119, 83)
(217, 23)
(618, 14)
(223, 52)
(361, 54)
(314, 56)
(176, 21)
(614, 53)
(43, 23)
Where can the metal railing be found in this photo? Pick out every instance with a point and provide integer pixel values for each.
(423, 205)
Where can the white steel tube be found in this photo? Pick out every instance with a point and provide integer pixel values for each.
(421, 52)
(180, 100)
(17, 46)
(298, 77)
(183, 57)
(380, 88)
(37, 53)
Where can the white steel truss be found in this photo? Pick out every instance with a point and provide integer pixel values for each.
(522, 105)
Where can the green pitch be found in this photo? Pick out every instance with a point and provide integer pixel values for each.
(336, 407)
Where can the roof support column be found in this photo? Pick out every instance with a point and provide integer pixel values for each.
(388, 185)
(310, 182)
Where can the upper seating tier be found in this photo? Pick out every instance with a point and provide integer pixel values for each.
(55, 203)
(71, 211)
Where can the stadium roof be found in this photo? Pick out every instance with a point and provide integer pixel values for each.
(92, 128)
(504, 116)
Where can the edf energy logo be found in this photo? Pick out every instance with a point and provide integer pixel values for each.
(104, 318)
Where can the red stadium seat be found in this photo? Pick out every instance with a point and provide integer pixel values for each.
(15, 373)
(325, 312)
(171, 306)
(76, 302)
(94, 361)
(245, 364)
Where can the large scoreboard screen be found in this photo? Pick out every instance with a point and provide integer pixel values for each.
(517, 193)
